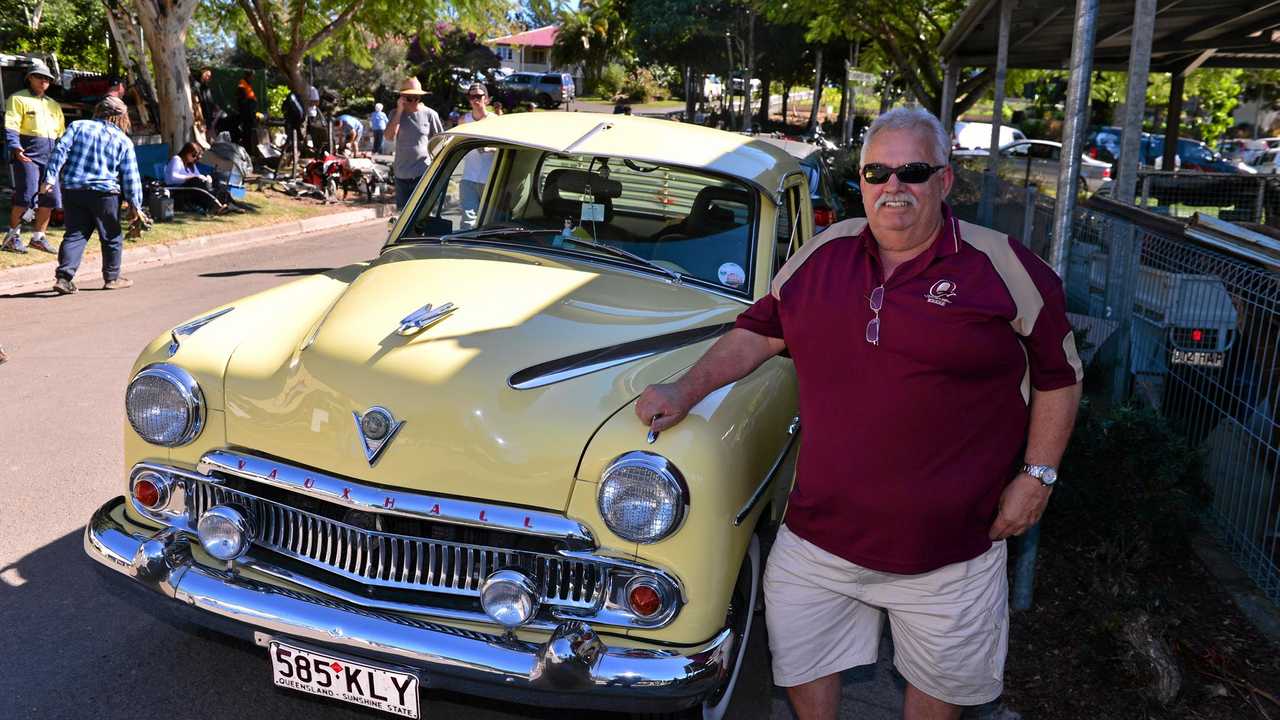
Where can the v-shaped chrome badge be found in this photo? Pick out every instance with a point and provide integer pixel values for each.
(377, 427)
(424, 316)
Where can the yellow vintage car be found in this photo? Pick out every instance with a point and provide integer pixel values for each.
(426, 472)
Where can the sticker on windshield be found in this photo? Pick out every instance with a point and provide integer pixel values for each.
(732, 274)
(592, 212)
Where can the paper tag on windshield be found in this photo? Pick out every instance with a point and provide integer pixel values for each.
(592, 212)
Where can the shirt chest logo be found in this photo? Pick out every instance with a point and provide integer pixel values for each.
(942, 293)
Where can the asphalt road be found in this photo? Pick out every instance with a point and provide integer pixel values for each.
(71, 647)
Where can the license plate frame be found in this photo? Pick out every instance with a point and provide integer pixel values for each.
(1199, 358)
(378, 689)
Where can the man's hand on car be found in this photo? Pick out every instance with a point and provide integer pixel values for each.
(662, 406)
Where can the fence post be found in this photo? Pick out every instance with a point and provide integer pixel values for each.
(1029, 215)
(1146, 190)
(1262, 184)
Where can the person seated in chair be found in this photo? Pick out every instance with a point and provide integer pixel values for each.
(183, 173)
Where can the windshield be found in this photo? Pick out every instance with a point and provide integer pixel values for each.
(662, 218)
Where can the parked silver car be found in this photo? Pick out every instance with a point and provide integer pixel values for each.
(1027, 162)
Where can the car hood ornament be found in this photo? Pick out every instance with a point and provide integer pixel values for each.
(377, 427)
(424, 316)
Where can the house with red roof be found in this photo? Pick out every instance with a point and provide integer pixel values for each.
(530, 51)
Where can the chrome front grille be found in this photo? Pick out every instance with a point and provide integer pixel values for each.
(399, 561)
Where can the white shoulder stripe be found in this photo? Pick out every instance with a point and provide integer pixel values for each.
(844, 228)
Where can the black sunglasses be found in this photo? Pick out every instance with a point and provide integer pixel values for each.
(477, 97)
(410, 98)
(911, 173)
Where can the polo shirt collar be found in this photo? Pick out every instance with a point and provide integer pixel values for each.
(946, 243)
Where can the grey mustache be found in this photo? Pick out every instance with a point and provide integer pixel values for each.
(900, 197)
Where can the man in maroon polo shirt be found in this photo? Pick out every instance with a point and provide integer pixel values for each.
(938, 382)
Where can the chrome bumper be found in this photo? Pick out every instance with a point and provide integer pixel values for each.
(573, 668)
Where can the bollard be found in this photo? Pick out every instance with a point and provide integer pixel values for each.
(1024, 568)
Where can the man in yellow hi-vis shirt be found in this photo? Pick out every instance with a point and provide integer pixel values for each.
(32, 123)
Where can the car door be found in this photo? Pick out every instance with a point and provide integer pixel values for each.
(1014, 164)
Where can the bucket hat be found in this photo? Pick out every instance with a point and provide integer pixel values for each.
(39, 68)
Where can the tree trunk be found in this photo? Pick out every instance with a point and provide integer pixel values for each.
(817, 92)
(125, 34)
(751, 71)
(690, 106)
(766, 98)
(164, 23)
(786, 96)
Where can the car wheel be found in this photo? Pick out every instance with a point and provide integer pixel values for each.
(739, 617)
(545, 101)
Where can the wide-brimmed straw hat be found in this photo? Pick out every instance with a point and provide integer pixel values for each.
(411, 86)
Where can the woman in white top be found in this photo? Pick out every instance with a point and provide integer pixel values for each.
(477, 163)
(183, 173)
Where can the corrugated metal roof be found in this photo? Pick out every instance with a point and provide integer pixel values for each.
(538, 37)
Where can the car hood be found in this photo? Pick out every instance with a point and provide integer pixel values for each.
(466, 430)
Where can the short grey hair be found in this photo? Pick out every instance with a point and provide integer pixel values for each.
(918, 119)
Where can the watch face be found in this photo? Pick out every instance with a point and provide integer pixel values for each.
(1049, 476)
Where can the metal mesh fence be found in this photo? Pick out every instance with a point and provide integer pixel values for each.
(1230, 197)
(1203, 339)
(1203, 345)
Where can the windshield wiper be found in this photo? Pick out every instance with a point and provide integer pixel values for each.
(491, 232)
(626, 254)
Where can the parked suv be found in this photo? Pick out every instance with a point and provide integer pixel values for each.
(548, 90)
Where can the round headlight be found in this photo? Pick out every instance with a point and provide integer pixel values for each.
(224, 532)
(509, 597)
(642, 497)
(164, 405)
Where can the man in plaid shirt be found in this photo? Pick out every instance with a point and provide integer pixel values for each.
(96, 160)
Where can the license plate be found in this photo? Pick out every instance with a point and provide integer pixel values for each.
(1199, 358)
(340, 678)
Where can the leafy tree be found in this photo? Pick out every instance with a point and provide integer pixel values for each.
(437, 53)
(538, 13)
(906, 33)
(289, 32)
(164, 25)
(70, 29)
(592, 36)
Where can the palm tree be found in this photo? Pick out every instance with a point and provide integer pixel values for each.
(592, 36)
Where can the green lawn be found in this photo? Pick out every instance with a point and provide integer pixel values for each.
(268, 208)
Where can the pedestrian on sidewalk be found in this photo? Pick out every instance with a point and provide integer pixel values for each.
(94, 157)
(477, 164)
(938, 385)
(378, 123)
(411, 127)
(32, 124)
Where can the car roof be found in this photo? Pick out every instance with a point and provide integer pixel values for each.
(682, 144)
(795, 148)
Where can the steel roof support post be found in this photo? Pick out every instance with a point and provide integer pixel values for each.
(1073, 130)
(990, 184)
(1122, 270)
(1173, 121)
(1077, 120)
(947, 108)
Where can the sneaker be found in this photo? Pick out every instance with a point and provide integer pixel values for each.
(13, 243)
(63, 286)
(119, 283)
(40, 242)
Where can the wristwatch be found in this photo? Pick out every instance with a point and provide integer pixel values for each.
(1046, 474)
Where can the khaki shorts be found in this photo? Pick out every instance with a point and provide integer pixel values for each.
(950, 626)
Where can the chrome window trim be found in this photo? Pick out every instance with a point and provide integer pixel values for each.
(660, 465)
(537, 523)
(191, 394)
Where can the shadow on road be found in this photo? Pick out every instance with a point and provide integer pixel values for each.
(78, 646)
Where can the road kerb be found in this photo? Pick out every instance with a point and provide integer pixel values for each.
(135, 258)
